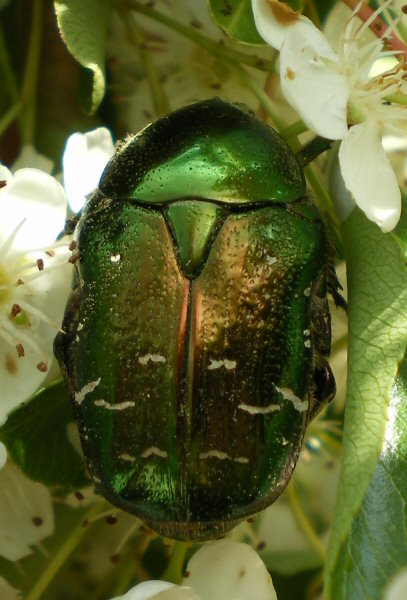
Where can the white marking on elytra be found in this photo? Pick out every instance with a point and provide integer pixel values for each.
(119, 406)
(259, 410)
(115, 257)
(271, 260)
(222, 456)
(87, 389)
(127, 457)
(154, 451)
(300, 405)
(307, 333)
(155, 358)
(242, 460)
(307, 291)
(80, 326)
(217, 364)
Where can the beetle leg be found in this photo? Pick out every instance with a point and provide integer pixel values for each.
(323, 379)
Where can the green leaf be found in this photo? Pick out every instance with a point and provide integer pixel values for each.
(235, 18)
(401, 230)
(377, 540)
(83, 28)
(377, 283)
(36, 437)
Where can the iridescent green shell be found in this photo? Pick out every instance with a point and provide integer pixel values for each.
(198, 328)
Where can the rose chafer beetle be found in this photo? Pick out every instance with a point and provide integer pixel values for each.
(196, 337)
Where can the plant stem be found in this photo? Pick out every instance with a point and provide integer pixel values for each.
(29, 88)
(212, 46)
(160, 100)
(10, 115)
(293, 130)
(304, 522)
(9, 81)
(131, 567)
(174, 571)
(64, 552)
(320, 191)
(10, 84)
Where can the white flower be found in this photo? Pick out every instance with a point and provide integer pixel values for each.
(330, 89)
(35, 272)
(222, 570)
(29, 157)
(187, 71)
(26, 513)
(397, 588)
(84, 159)
(3, 455)
(34, 280)
(7, 592)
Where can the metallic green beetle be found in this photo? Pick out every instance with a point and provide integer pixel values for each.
(197, 334)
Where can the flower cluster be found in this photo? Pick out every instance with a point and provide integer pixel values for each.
(35, 271)
(35, 279)
(222, 570)
(332, 90)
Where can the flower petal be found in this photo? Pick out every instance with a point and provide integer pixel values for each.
(29, 157)
(5, 174)
(3, 455)
(397, 589)
(311, 84)
(368, 175)
(158, 590)
(26, 341)
(85, 157)
(274, 19)
(6, 591)
(37, 199)
(26, 514)
(342, 199)
(279, 526)
(226, 570)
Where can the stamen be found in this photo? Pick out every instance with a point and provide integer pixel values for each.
(49, 249)
(6, 336)
(20, 335)
(15, 310)
(38, 313)
(373, 17)
(57, 262)
(126, 537)
(373, 21)
(10, 240)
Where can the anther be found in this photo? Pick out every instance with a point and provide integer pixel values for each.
(15, 310)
